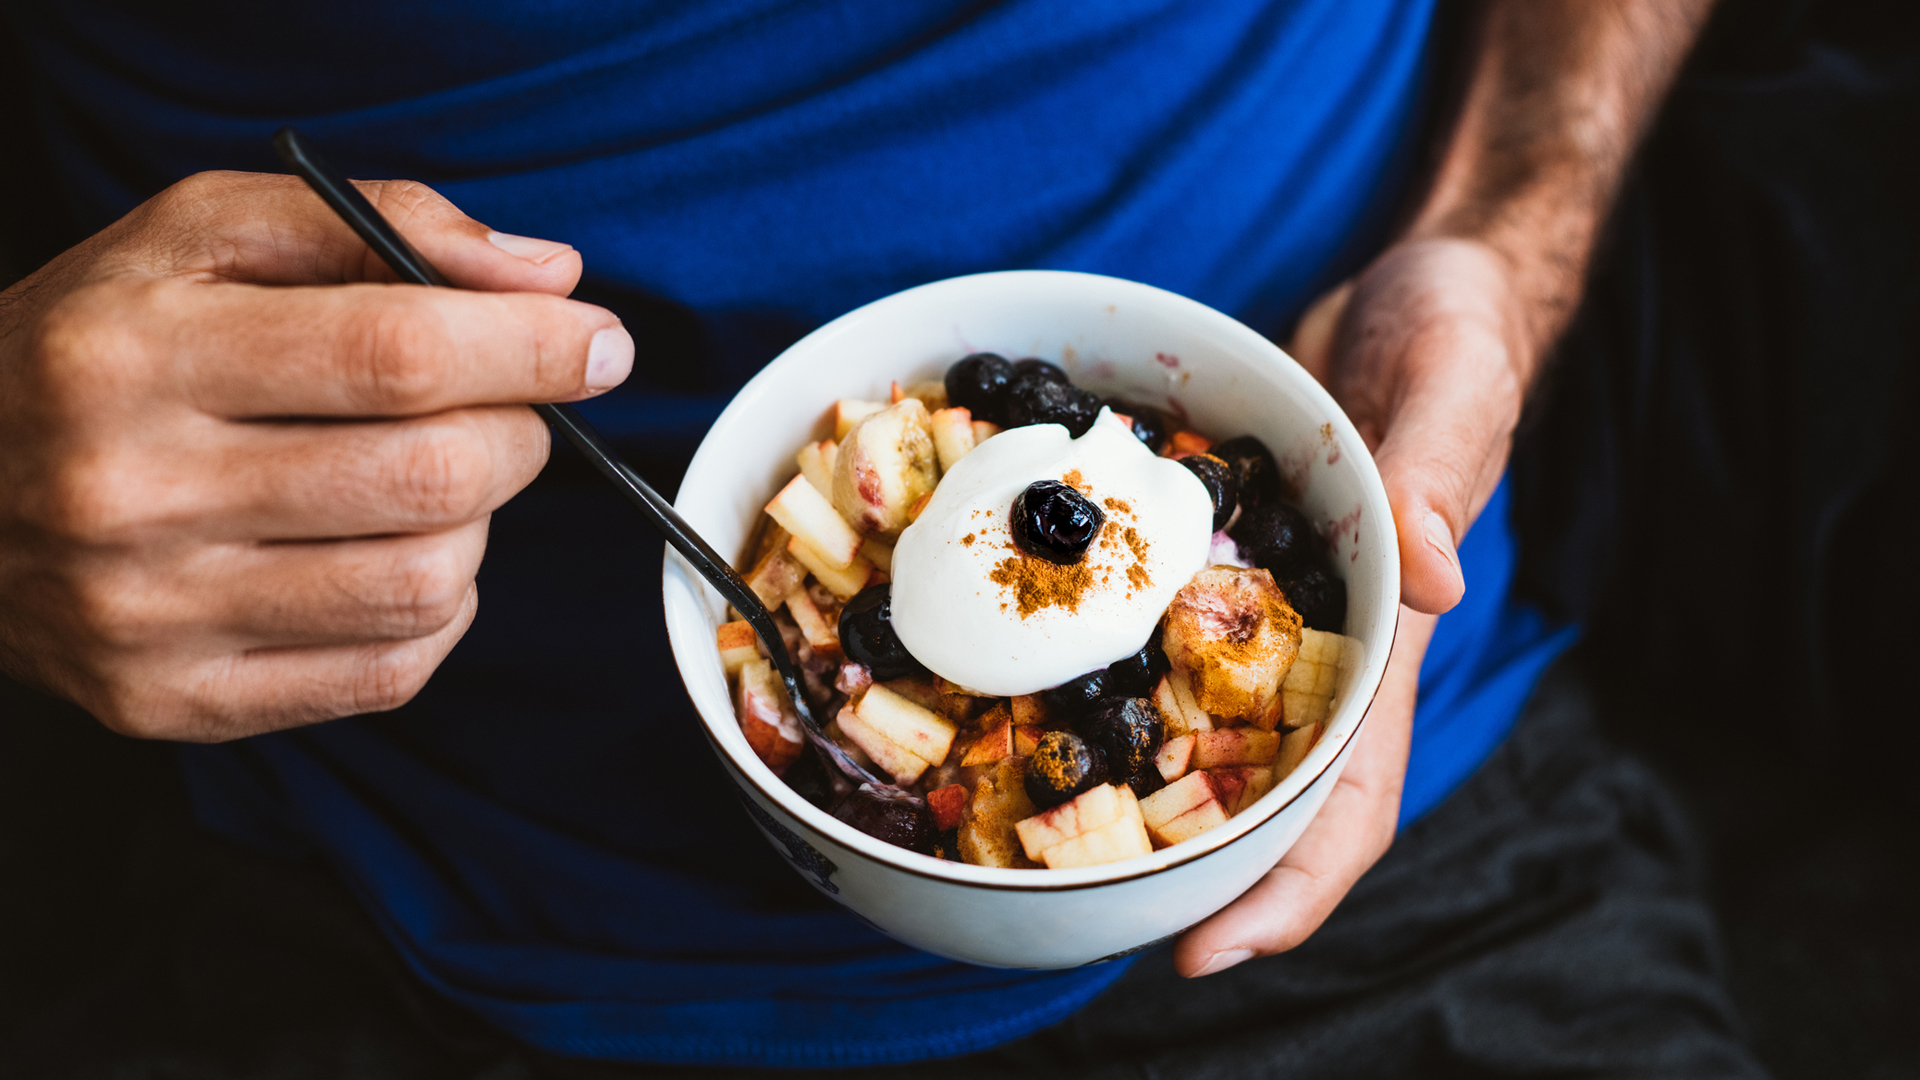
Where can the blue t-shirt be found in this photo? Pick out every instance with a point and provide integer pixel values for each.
(543, 834)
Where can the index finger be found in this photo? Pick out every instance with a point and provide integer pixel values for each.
(248, 352)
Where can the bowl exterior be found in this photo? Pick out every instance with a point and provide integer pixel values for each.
(1117, 337)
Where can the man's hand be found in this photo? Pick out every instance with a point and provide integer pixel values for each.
(1431, 351)
(245, 479)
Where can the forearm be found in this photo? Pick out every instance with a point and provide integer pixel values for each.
(1558, 95)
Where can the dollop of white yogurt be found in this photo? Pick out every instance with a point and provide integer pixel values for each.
(967, 628)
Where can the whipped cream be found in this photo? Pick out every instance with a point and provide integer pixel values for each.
(978, 611)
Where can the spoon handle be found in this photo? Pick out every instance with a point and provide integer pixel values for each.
(386, 242)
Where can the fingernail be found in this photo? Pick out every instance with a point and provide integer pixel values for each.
(609, 358)
(530, 248)
(1223, 960)
(1440, 538)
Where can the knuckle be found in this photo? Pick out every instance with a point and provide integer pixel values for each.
(428, 589)
(445, 476)
(388, 679)
(87, 499)
(403, 356)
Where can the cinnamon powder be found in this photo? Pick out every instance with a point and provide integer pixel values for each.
(1038, 584)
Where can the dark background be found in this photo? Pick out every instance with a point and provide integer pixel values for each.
(1718, 478)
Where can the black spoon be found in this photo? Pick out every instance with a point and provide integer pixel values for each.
(386, 242)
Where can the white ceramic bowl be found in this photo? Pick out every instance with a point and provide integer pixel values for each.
(1112, 336)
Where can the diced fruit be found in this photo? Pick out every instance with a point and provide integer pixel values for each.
(895, 394)
(1117, 840)
(1294, 749)
(804, 512)
(816, 464)
(1128, 732)
(766, 716)
(1177, 798)
(1190, 824)
(1233, 633)
(1240, 786)
(848, 412)
(910, 726)
(1187, 442)
(1026, 738)
(1178, 709)
(885, 464)
(843, 582)
(988, 837)
(776, 574)
(814, 626)
(919, 507)
(932, 393)
(1308, 690)
(984, 430)
(902, 764)
(949, 805)
(990, 747)
(1234, 746)
(853, 679)
(1028, 709)
(1174, 758)
(879, 553)
(920, 688)
(952, 436)
(1092, 809)
(738, 644)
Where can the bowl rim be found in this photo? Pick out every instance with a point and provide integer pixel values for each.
(747, 767)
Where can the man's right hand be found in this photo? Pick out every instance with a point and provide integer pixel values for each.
(245, 478)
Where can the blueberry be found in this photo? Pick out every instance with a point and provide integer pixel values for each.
(1253, 468)
(1034, 399)
(808, 778)
(1078, 696)
(1319, 597)
(1276, 536)
(1150, 425)
(979, 383)
(1218, 477)
(866, 633)
(1137, 675)
(1055, 522)
(1033, 365)
(1063, 766)
(897, 819)
(1127, 733)
(1146, 781)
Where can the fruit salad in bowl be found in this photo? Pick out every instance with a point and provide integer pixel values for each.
(1070, 629)
(1093, 578)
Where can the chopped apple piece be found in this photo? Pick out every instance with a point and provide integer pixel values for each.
(922, 690)
(987, 837)
(766, 716)
(1175, 758)
(1029, 711)
(1240, 786)
(1186, 443)
(1307, 693)
(1174, 697)
(919, 507)
(952, 436)
(738, 644)
(984, 430)
(816, 464)
(803, 511)
(775, 575)
(990, 747)
(879, 553)
(1294, 749)
(853, 679)
(1177, 798)
(848, 412)
(1130, 803)
(1124, 838)
(932, 393)
(949, 805)
(1026, 738)
(902, 764)
(885, 464)
(895, 395)
(820, 633)
(1084, 813)
(909, 726)
(1234, 746)
(1190, 824)
(843, 582)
